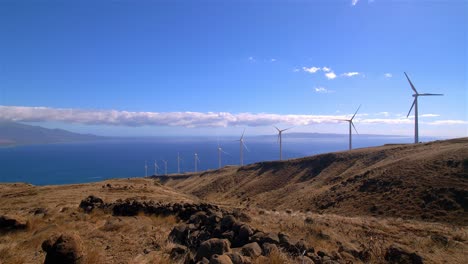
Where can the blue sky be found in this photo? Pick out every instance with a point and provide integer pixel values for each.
(217, 67)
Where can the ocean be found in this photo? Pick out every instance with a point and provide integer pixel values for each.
(69, 163)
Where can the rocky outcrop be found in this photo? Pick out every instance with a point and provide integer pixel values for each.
(397, 255)
(90, 203)
(209, 234)
(11, 223)
(65, 248)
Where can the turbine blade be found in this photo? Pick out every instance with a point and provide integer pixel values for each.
(277, 128)
(356, 112)
(245, 146)
(286, 129)
(412, 86)
(354, 127)
(414, 102)
(243, 134)
(429, 94)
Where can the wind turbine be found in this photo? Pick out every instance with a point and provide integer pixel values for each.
(220, 150)
(156, 167)
(242, 146)
(178, 163)
(280, 140)
(146, 169)
(415, 105)
(197, 160)
(351, 124)
(165, 167)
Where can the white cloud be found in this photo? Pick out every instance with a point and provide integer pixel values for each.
(326, 69)
(391, 121)
(311, 69)
(429, 115)
(184, 119)
(296, 70)
(272, 60)
(386, 114)
(388, 75)
(354, 2)
(350, 74)
(449, 122)
(330, 75)
(251, 58)
(322, 90)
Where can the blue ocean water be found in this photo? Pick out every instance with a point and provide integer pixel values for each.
(121, 158)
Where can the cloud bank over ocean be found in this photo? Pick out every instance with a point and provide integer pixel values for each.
(190, 119)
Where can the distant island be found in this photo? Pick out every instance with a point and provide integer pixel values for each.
(12, 134)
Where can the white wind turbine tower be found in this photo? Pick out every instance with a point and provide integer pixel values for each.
(146, 169)
(165, 167)
(197, 160)
(156, 167)
(242, 146)
(415, 105)
(178, 163)
(280, 140)
(220, 150)
(350, 121)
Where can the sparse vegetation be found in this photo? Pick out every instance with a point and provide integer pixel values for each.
(280, 201)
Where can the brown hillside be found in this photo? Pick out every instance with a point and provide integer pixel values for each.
(424, 181)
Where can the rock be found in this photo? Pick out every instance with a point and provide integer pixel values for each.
(252, 250)
(269, 248)
(397, 255)
(305, 260)
(220, 259)
(227, 222)
(91, 202)
(229, 235)
(38, 211)
(66, 248)
(178, 251)
(199, 218)
(302, 246)
(261, 238)
(257, 236)
(271, 238)
(11, 223)
(236, 258)
(203, 261)
(283, 238)
(179, 234)
(309, 220)
(212, 246)
(241, 215)
(440, 239)
(244, 234)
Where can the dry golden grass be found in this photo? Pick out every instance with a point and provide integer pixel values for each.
(260, 190)
(375, 235)
(106, 239)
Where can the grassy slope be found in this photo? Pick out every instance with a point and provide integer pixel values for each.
(361, 176)
(425, 181)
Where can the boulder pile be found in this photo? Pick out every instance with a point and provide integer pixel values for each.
(213, 235)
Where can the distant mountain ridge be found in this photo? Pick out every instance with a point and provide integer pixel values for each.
(12, 133)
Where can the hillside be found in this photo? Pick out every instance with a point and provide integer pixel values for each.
(12, 133)
(389, 204)
(425, 181)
